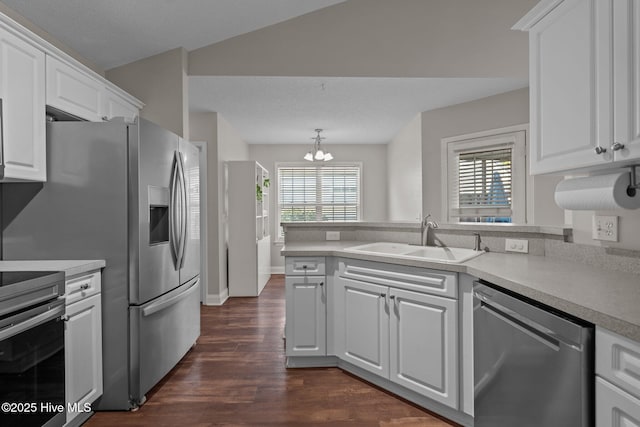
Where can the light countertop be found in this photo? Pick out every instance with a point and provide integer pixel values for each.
(606, 298)
(69, 267)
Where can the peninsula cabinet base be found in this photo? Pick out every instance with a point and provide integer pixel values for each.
(413, 397)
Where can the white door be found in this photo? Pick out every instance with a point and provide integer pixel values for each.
(83, 354)
(22, 90)
(626, 35)
(614, 407)
(570, 77)
(365, 319)
(423, 351)
(306, 316)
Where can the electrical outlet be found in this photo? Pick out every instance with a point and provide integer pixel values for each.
(516, 245)
(333, 235)
(605, 228)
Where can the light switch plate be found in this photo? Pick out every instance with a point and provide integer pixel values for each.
(333, 235)
(516, 245)
(605, 227)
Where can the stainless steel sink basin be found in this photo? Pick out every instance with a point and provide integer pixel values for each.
(426, 253)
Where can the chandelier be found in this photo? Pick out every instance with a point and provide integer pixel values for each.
(317, 154)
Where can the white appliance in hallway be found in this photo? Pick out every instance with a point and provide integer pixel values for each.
(127, 193)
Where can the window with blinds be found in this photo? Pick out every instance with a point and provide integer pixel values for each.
(484, 186)
(319, 193)
(486, 177)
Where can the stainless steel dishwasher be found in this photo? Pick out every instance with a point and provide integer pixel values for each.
(533, 366)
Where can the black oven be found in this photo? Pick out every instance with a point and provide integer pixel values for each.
(32, 349)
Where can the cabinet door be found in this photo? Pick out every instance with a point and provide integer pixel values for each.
(117, 106)
(22, 88)
(83, 353)
(74, 92)
(614, 407)
(423, 350)
(627, 78)
(306, 316)
(365, 326)
(571, 86)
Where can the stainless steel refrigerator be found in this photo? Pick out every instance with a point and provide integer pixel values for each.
(129, 194)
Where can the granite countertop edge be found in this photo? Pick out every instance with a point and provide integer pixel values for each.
(69, 267)
(573, 288)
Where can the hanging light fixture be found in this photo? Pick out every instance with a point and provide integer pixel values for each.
(317, 154)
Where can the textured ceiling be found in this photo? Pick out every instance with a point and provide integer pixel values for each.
(113, 33)
(271, 110)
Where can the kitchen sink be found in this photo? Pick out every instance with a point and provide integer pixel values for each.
(427, 253)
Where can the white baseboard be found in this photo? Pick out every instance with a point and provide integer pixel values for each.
(218, 299)
(277, 269)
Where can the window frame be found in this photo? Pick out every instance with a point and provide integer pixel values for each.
(279, 233)
(514, 137)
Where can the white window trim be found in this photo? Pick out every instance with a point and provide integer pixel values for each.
(515, 136)
(276, 187)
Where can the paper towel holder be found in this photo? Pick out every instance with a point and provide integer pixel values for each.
(633, 184)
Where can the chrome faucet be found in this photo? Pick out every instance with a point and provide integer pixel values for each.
(426, 226)
(477, 241)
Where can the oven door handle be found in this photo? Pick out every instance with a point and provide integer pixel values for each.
(34, 321)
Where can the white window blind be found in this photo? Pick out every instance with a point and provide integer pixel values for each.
(483, 180)
(486, 177)
(319, 193)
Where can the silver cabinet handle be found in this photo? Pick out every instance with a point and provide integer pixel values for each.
(600, 150)
(321, 283)
(84, 286)
(616, 146)
(392, 297)
(383, 295)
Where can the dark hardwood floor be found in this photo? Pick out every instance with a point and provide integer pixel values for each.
(235, 376)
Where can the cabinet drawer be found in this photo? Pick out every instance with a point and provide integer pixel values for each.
(614, 407)
(435, 282)
(300, 266)
(618, 360)
(81, 287)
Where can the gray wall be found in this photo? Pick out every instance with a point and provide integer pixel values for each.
(380, 38)
(404, 173)
(507, 109)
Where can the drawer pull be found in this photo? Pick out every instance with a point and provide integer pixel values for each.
(321, 283)
(84, 286)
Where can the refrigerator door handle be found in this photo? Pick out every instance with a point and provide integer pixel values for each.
(173, 211)
(180, 209)
(185, 211)
(161, 305)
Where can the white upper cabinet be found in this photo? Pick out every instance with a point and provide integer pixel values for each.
(626, 38)
(116, 106)
(73, 91)
(583, 58)
(22, 83)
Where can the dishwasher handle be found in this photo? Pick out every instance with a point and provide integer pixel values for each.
(529, 326)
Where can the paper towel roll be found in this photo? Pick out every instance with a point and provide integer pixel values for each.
(597, 193)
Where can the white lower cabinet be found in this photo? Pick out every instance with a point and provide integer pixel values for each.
(617, 380)
(83, 347)
(306, 316)
(408, 337)
(614, 407)
(423, 348)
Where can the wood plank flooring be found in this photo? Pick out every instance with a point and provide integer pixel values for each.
(235, 376)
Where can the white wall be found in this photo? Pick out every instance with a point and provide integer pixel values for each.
(404, 173)
(507, 109)
(374, 177)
